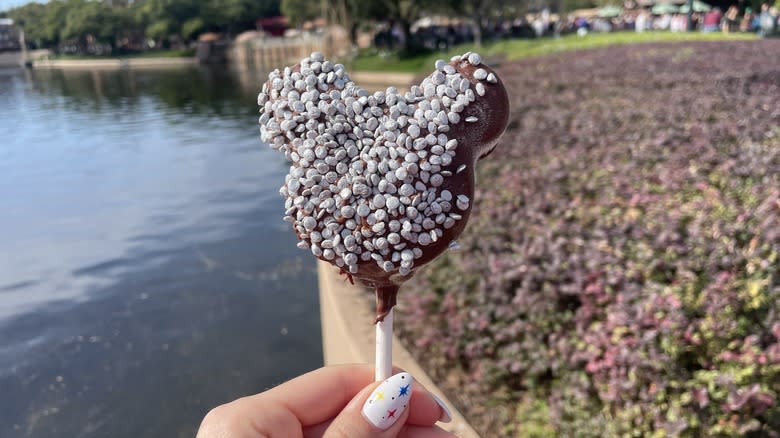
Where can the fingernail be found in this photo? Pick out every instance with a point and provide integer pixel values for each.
(389, 400)
(446, 415)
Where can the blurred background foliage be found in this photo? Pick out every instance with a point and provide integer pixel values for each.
(620, 275)
(108, 21)
(125, 25)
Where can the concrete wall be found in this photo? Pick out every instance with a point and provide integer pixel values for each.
(347, 313)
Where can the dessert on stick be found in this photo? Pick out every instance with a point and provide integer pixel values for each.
(381, 183)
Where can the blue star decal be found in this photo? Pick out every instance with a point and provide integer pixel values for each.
(404, 391)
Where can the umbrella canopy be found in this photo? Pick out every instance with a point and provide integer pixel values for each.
(698, 6)
(609, 11)
(664, 8)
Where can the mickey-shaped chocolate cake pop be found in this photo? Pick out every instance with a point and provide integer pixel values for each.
(381, 183)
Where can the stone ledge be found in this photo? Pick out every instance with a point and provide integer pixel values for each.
(113, 63)
(347, 315)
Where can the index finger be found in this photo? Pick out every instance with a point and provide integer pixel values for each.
(320, 395)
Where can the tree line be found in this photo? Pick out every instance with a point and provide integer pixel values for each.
(127, 23)
(134, 24)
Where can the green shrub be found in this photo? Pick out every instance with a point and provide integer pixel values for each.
(620, 274)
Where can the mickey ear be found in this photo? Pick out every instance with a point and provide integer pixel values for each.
(491, 107)
(496, 110)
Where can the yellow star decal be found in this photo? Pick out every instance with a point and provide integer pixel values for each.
(380, 396)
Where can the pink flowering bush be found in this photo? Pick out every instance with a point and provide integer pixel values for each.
(620, 274)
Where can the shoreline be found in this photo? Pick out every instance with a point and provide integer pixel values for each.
(372, 79)
(113, 63)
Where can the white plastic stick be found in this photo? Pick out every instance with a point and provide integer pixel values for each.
(384, 348)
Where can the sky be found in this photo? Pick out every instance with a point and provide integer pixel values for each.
(8, 4)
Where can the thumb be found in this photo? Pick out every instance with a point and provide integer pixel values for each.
(376, 411)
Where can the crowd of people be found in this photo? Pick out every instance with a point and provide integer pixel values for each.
(766, 22)
(441, 36)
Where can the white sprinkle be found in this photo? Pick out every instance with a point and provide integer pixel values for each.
(309, 223)
(429, 91)
(394, 238)
(380, 226)
(363, 210)
(492, 78)
(350, 259)
(480, 87)
(392, 203)
(461, 168)
(413, 131)
(462, 202)
(471, 119)
(357, 154)
(406, 190)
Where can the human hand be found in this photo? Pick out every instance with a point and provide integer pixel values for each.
(336, 401)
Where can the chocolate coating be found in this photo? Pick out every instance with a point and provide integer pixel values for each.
(476, 126)
(476, 141)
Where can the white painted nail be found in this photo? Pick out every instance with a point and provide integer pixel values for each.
(389, 400)
(446, 415)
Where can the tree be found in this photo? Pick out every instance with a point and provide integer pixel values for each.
(128, 21)
(300, 11)
(89, 18)
(192, 27)
(29, 17)
(480, 10)
(403, 13)
(348, 14)
(238, 15)
(41, 22)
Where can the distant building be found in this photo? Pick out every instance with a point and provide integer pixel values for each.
(9, 35)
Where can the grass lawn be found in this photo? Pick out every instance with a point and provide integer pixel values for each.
(523, 48)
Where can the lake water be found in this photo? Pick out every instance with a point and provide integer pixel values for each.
(145, 272)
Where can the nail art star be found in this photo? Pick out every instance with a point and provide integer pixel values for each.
(380, 395)
(391, 413)
(404, 391)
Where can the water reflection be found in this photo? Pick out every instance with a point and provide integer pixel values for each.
(207, 91)
(145, 274)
